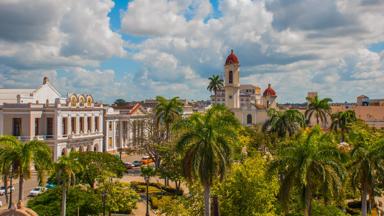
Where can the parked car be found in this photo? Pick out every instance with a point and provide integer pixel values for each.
(146, 160)
(128, 165)
(2, 190)
(137, 163)
(50, 186)
(36, 191)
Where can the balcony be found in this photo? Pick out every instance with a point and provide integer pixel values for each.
(38, 137)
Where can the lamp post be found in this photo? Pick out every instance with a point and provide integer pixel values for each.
(10, 192)
(104, 196)
(146, 178)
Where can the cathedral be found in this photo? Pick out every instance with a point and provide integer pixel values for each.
(244, 100)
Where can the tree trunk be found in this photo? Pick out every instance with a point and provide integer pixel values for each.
(5, 179)
(63, 201)
(21, 186)
(308, 201)
(207, 192)
(364, 194)
(215, 203)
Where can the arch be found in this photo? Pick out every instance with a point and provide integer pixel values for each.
(64, 152)
(96, 148)
(249, 119)
(89, 101)
(230, 77)
(81, 100)
(73, 100)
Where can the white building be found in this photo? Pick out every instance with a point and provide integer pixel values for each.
(244, 100)
(72, 123)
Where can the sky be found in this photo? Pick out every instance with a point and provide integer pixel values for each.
(138, 49)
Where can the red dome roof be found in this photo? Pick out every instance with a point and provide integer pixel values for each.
(231, 59)
(269, 91)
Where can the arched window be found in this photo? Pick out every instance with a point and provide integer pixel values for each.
(73, 100)
(89, 101)
(249, 119)
(230, 79)
(81, 100)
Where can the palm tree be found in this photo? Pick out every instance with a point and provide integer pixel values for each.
(341, 121)
(311, 161)
(167, 112)
(207, 146)
(319, 108)
(66, 169)
(285, 123)
(23, 155)
(367, 157)
(215, 84)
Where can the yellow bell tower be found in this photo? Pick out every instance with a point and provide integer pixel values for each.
(232, 81)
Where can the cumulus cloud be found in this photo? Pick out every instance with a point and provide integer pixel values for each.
(49, 34)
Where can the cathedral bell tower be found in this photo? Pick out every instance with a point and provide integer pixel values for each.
(232, 81)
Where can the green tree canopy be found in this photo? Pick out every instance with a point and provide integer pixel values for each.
(120, 102)
(309, 162)
(341, 121)
(319, 108)
(284, 123)
(168, 112)
(97, 166)
(207, 146)
(248, 191)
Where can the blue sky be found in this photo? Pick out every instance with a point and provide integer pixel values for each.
(139, 49)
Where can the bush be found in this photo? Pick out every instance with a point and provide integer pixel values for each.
(329, 210)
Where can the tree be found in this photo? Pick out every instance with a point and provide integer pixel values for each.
(121, 198)
(284, 123)
(97, 166)
(168, 112)
(215, 84)
(65, 171)
(120, 102)
(23, 155)
(247, 190)
(311, 161)
(318, 108)
(342, 121)
(207, 147)
(367, 156)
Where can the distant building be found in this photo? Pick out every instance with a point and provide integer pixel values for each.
(72, 123)
(244, 100)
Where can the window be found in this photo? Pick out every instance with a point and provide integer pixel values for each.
(110, 142)
(49, 127)
(82, 124)
(37, 120)
(16, 126)
(230, 96)
(230, 79)
(89, 123)
(65, 126)
(249, 119)
(110, 125)
(73, 123)
(97, 123)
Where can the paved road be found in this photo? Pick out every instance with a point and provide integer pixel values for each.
(28, 185)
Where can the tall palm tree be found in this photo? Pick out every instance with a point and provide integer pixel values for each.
(207, 146)
(311, 161)
(341, 121)
(167, 112)
(66, 169)
(284, 123)
(22, 155)
(318, 108)
(215, 84)
(367, 157)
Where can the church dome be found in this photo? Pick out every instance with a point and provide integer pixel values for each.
(269, 91)
(232, 59)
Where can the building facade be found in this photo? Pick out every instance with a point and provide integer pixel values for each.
(72, 123)
(244, 100)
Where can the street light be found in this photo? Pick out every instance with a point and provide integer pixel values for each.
(10, 193)
(146, 178)
(103, 197)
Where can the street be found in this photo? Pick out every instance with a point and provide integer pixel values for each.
(28, 186)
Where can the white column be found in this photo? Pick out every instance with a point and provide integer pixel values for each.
(121, 133)
(59, 127)
(107, 136)
(114, 135)
(69, 126)
(93, 124)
